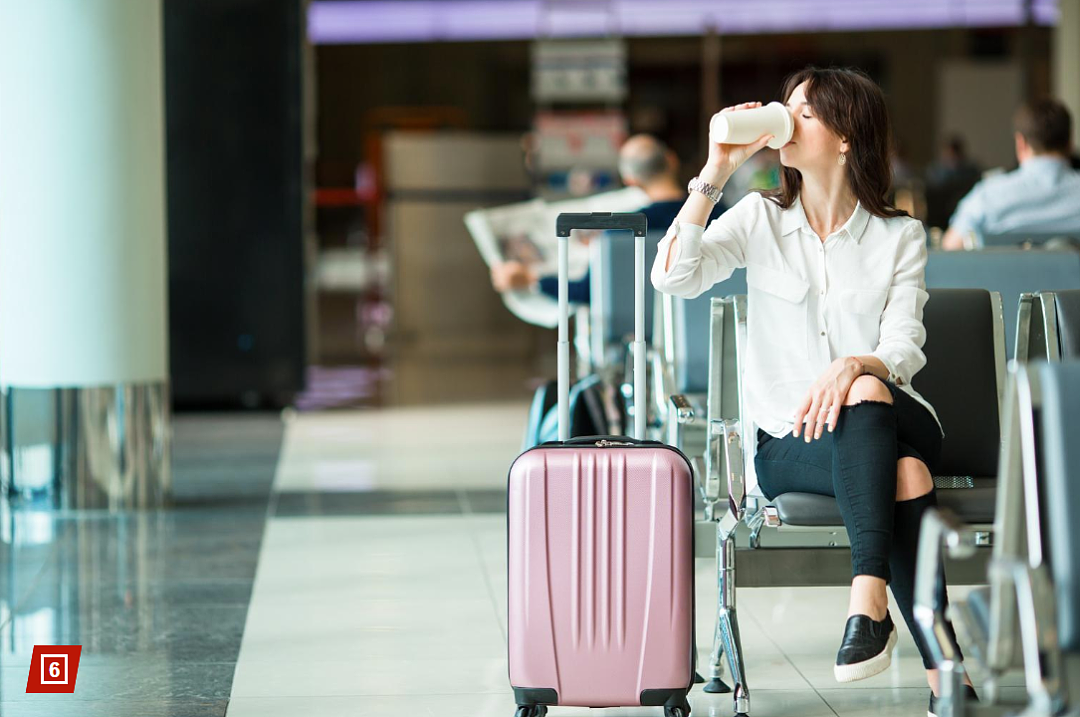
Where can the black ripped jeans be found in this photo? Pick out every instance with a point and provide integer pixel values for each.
(856, 464)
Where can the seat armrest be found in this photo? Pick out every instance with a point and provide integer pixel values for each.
(939, 528)
(736, 477)
(683, 409)
(710, 477)
(662, 381)
(725, 472)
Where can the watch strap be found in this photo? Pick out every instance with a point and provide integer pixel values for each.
(697, 184)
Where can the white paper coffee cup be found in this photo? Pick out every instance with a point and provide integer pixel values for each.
(747, 126)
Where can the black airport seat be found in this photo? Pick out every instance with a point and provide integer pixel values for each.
(963, 381)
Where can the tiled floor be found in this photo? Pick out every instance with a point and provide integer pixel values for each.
(368, 579)
(445, 447)
(394, 601)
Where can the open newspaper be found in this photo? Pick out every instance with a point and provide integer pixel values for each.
(525, 232)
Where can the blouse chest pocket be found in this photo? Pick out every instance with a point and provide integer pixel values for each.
(777, 308)
(860, 320)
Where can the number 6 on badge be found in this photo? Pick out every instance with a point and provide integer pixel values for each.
(53, 668)
(57, 665)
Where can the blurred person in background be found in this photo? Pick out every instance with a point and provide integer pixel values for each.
(948, 179)
(1041, 197)
(837, 289)
(953, 166)
(645, 162)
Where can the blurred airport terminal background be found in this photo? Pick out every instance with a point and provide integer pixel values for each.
(260, 394)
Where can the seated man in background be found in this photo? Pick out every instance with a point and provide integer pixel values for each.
(1041, 197)
(645, 162)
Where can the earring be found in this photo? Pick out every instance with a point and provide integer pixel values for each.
(842, 159)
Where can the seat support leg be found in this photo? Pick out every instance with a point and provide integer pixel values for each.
(716, 684)
(951, 687)
(727, 620)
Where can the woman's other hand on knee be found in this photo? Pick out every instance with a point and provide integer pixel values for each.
(821, 406)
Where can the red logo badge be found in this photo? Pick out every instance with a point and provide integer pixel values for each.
(54, 668)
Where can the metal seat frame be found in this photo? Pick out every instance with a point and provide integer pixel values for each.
(1021, 634)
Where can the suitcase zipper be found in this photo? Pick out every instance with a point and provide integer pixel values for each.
(605, 443)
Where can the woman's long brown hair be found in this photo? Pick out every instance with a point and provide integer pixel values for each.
(850, 104)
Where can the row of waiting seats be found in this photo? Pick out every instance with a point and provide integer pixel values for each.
(799, 539)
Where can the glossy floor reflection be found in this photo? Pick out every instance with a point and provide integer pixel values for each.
(157, 600)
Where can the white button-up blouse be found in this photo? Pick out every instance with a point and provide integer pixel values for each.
(860, 292)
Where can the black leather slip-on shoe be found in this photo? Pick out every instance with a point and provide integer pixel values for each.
(866, 649)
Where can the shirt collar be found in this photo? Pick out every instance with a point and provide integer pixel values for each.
(794, 218)
(1043, 163)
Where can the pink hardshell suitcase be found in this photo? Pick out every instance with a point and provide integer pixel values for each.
(601, 584)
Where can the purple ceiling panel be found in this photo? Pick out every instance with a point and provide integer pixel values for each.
(380, 21)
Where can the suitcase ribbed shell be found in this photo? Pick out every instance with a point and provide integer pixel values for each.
(601, 572)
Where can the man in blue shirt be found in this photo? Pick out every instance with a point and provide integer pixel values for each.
(1041, 199)
(645, 162)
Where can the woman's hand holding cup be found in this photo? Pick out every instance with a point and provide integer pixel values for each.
(724, 159)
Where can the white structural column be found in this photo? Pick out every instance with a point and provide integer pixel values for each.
(83, 287)
(1065, 67)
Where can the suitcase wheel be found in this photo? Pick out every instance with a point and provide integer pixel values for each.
(531, 711)
(676, 712)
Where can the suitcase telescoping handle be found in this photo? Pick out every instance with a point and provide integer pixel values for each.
(637, 223)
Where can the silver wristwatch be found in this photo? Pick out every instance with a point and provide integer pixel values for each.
(697, 184)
